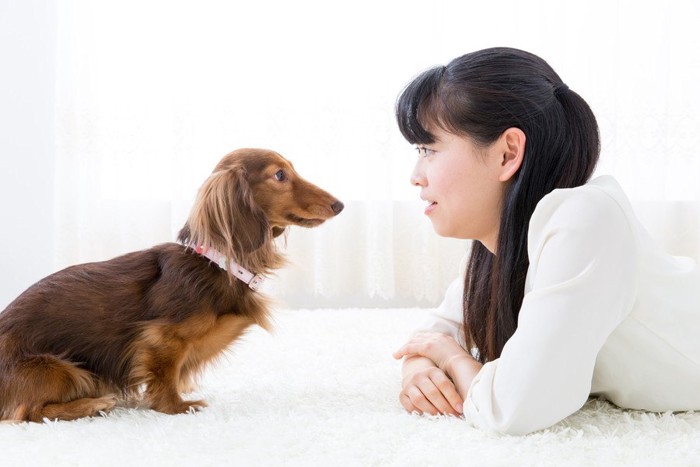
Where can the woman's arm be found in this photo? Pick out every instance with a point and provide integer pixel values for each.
(426, 388)
(463, 369)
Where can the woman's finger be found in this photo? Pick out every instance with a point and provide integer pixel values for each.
(436, 398)
(448, 391)
(411, 348)
(407, 404)
(399, 353)
(419, 401)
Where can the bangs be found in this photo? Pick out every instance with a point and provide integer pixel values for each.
(420, 105)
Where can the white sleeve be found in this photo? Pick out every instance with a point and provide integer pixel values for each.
(448, 317)
(581, 282)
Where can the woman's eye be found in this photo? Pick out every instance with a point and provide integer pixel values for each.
(424, 152)
(280, 175)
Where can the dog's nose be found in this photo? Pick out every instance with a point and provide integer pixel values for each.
(337, 207)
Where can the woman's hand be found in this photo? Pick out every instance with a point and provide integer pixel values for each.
(438, 347)
(427, 389)
(454, 363)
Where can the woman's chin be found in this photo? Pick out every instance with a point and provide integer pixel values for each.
(441, 229)
(448, 231)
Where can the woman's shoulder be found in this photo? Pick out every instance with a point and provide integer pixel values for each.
(578, 230)
(596, 203)
(585, 217)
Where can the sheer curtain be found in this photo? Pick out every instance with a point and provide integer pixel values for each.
(150, 95)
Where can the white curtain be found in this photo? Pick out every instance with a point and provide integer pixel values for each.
(151, 94)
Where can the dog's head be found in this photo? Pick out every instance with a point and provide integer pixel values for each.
(252, 196)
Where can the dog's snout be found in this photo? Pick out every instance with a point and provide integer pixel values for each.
(337, 207)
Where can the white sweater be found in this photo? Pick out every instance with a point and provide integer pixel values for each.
(605, 312)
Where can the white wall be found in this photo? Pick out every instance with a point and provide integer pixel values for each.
(27, 43)
(647, 143)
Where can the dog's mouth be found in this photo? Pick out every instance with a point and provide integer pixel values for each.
(304, 221)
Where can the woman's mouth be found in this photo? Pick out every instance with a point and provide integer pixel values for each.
(431, 205)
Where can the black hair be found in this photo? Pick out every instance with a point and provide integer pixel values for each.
(480, 95)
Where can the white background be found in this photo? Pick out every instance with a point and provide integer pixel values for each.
(112, 113)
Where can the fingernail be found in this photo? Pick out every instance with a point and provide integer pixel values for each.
(459, 408)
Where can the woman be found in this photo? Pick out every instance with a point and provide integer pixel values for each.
(564, 295)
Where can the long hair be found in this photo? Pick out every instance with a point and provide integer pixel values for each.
(479, 96)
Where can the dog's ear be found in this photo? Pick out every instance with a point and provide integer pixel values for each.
(250, 226)
(225, 215)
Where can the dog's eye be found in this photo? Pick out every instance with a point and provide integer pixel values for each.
(280, 176)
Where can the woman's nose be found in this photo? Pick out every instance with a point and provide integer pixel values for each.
(417, 176)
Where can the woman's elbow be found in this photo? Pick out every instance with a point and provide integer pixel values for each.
(522, 420)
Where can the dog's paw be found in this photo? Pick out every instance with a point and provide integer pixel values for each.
(194, 406)
(178, 407)
(189, 406)
(102, 405)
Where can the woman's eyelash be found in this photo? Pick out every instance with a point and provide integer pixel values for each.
(424, 152)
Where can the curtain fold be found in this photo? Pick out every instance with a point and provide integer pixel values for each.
(150, 95)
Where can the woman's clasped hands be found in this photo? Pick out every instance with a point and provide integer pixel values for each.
(436, 374)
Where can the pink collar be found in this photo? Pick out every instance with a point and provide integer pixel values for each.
(254, 281)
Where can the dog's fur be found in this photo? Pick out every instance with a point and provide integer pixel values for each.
(141, 326)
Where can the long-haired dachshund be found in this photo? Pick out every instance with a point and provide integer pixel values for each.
(142, 325)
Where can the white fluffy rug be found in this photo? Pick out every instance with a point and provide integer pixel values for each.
(322, 390)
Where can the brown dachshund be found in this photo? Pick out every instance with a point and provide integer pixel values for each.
(139, 327)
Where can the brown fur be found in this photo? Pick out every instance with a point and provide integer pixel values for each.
(141, 326)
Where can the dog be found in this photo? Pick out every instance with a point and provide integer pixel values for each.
(141, 326)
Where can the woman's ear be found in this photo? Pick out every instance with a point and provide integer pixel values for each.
(512, 149)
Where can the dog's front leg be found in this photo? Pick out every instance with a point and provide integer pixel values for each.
(162, 381)
(158, 365)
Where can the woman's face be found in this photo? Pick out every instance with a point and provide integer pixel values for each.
(460, 182)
